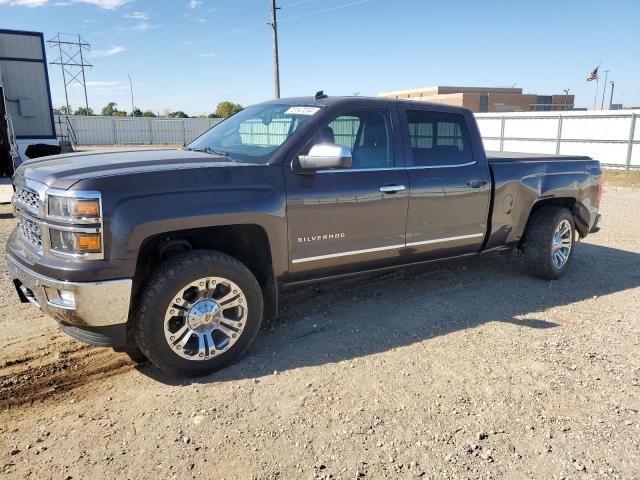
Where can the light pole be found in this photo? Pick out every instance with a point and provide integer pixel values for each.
(566, 97)
(613, 84)
(606, 75)
(133, 108)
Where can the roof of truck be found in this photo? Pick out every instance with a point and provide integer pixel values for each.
(346, 100)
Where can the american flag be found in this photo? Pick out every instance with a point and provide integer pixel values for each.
(593, 75)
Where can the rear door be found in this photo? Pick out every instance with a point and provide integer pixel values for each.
(348, 219)
(450, 189)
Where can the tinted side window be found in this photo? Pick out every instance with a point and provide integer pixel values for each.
(438, 138)
(367, 132)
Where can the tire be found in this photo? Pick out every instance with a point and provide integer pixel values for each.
(198, 316)
(539, 247)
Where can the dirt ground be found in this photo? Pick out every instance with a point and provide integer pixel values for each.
(463, 369)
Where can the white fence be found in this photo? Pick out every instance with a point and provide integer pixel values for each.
(613, 137)
(99, 130)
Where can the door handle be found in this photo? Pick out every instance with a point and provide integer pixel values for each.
(393, 188)
(476, 183)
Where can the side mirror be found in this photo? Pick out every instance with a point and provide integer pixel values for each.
(326, 156)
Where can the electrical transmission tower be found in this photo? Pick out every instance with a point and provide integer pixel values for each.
(72, 62)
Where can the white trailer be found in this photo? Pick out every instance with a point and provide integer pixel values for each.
(25, 91)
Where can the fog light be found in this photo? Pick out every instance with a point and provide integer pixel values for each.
(60, 298)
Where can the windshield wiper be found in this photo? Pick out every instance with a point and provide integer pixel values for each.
(209, 150)
(218, 152)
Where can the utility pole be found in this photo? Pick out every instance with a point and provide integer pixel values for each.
(72, 62)
(566, 97)
(274, 29)
(604, 90)
(133, 108)
(613, 84)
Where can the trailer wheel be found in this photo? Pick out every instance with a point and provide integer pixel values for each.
(199, 312)
(548, 242)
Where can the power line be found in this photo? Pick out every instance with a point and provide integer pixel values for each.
(325, 10)
(297, 3)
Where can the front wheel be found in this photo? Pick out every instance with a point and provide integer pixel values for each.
(549, 241)
(199, 312)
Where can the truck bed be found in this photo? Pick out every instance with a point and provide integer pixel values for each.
(502, 157)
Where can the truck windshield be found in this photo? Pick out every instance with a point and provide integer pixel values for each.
(253, 134)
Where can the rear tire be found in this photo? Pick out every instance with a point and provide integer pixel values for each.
(549, 242)
(191, 343)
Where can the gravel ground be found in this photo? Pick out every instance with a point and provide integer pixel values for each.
(463, 369)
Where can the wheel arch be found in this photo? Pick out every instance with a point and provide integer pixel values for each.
(576, 208)
(247, 243)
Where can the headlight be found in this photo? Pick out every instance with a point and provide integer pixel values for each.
(70, 209)
(75, 243)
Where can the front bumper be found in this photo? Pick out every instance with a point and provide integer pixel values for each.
(96, 306)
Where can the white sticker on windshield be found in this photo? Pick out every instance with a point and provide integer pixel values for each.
(301, 110)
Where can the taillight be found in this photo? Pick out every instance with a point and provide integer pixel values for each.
(600, 186)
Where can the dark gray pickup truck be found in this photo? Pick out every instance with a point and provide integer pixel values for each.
(178, 254)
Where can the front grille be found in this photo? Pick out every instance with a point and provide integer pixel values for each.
(27, 197)
(31, 232)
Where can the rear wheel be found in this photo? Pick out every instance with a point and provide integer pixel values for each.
(199, 312)
(549, 241)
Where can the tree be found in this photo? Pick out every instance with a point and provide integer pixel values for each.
(226, 109)
(63, 110)
(110, 109)
(178, 114)
(119, 113)
(137, 112)
(84, 111)
(148, 113)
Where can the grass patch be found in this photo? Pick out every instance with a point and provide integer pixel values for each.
(622, 178)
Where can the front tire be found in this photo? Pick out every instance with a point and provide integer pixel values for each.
(199, 312)
(549, 242)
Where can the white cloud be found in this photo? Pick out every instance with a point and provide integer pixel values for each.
(109, 52)
(137, 16)
(23, 3)
(195, 3)
(103, 83)
(143, 27)
(201, 20)
(105, 4)
(209, 55)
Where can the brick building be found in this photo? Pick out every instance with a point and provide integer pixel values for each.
(480, 99)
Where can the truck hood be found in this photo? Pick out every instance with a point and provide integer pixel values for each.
(63, 171)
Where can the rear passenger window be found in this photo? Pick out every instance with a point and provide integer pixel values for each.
(438, 138)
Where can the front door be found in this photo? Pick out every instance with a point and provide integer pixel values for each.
(349, 219)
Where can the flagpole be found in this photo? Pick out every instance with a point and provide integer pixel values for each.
(595, 97)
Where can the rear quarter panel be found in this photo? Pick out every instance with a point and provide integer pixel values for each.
(520, 184)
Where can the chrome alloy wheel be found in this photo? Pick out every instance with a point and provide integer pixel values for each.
(205, 318)
(562, 243)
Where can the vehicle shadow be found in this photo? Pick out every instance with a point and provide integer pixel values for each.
(362, 316)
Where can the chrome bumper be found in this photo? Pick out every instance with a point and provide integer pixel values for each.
(95, 304)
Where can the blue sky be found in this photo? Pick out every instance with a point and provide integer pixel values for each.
(190, 54)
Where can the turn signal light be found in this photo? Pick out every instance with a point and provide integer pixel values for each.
(87, 208)
(87, 242)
